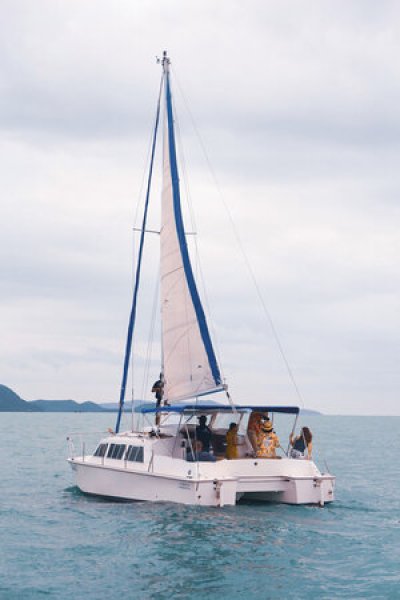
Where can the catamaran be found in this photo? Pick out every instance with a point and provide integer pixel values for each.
(179, 452)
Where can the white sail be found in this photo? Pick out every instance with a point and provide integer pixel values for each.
(189, 364)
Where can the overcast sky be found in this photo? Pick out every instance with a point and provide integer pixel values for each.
(297, 104)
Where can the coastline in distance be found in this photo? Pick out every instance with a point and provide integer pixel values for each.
(10, 401)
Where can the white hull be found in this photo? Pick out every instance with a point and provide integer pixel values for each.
(221, 483)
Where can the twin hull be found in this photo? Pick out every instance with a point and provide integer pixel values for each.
(168, 479)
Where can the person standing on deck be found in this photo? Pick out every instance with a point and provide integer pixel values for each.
(158, 390)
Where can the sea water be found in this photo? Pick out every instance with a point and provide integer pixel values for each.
(58, 543)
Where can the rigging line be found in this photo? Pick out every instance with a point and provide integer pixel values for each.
(145, 382)
(135, 220)
(133, 344)
(132, 317)
(199, 269)
(244, 255)
(144, 171)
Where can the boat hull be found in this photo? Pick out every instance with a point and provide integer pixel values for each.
(129, 485)
(214, 486)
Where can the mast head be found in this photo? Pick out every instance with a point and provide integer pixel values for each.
(165, 62)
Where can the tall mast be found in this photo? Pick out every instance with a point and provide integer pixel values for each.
(165, 62)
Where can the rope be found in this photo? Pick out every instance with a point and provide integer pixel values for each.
(132, 318)
(145, 382)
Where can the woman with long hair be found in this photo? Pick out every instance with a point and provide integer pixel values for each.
(301, 443)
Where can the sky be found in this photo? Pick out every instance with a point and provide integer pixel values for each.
(289, 120)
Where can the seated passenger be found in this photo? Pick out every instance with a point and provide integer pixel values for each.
(197, 453)
(269, 442)
(301, 443)
(232, 442)
(254, 430)
(203, 433)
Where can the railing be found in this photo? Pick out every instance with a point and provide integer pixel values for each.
(72, 453)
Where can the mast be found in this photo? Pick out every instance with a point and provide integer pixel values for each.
(189, 365)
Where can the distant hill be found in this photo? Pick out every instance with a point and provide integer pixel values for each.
(66, 406)
(11, 402)
(308, 411)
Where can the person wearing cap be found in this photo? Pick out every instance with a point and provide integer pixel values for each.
(301, 443)
(203, 433)
(269, 443)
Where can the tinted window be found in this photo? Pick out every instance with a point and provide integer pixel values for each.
(135, 454)
(110, 450)
(119, 451)
(116, 451)
(101, 450)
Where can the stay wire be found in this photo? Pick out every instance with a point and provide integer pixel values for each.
(149, 350)
(139, 202)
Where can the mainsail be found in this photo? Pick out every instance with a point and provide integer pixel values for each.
(189, 363)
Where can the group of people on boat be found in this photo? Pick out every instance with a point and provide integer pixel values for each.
(261, 434)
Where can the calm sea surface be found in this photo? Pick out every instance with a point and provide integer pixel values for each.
(57, 543)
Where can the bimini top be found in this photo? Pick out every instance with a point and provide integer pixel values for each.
(211, 408)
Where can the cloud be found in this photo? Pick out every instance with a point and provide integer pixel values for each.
(297, 105)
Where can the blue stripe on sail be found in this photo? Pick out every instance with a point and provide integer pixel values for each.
(183, 245)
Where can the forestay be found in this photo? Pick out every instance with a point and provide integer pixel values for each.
(190, 366)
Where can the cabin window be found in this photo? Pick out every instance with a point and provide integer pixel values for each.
(134, 454)
(110, 450)
(101, 450)
(116, 451)
(119, 451)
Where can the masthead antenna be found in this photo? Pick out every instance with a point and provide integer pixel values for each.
(165, 61)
